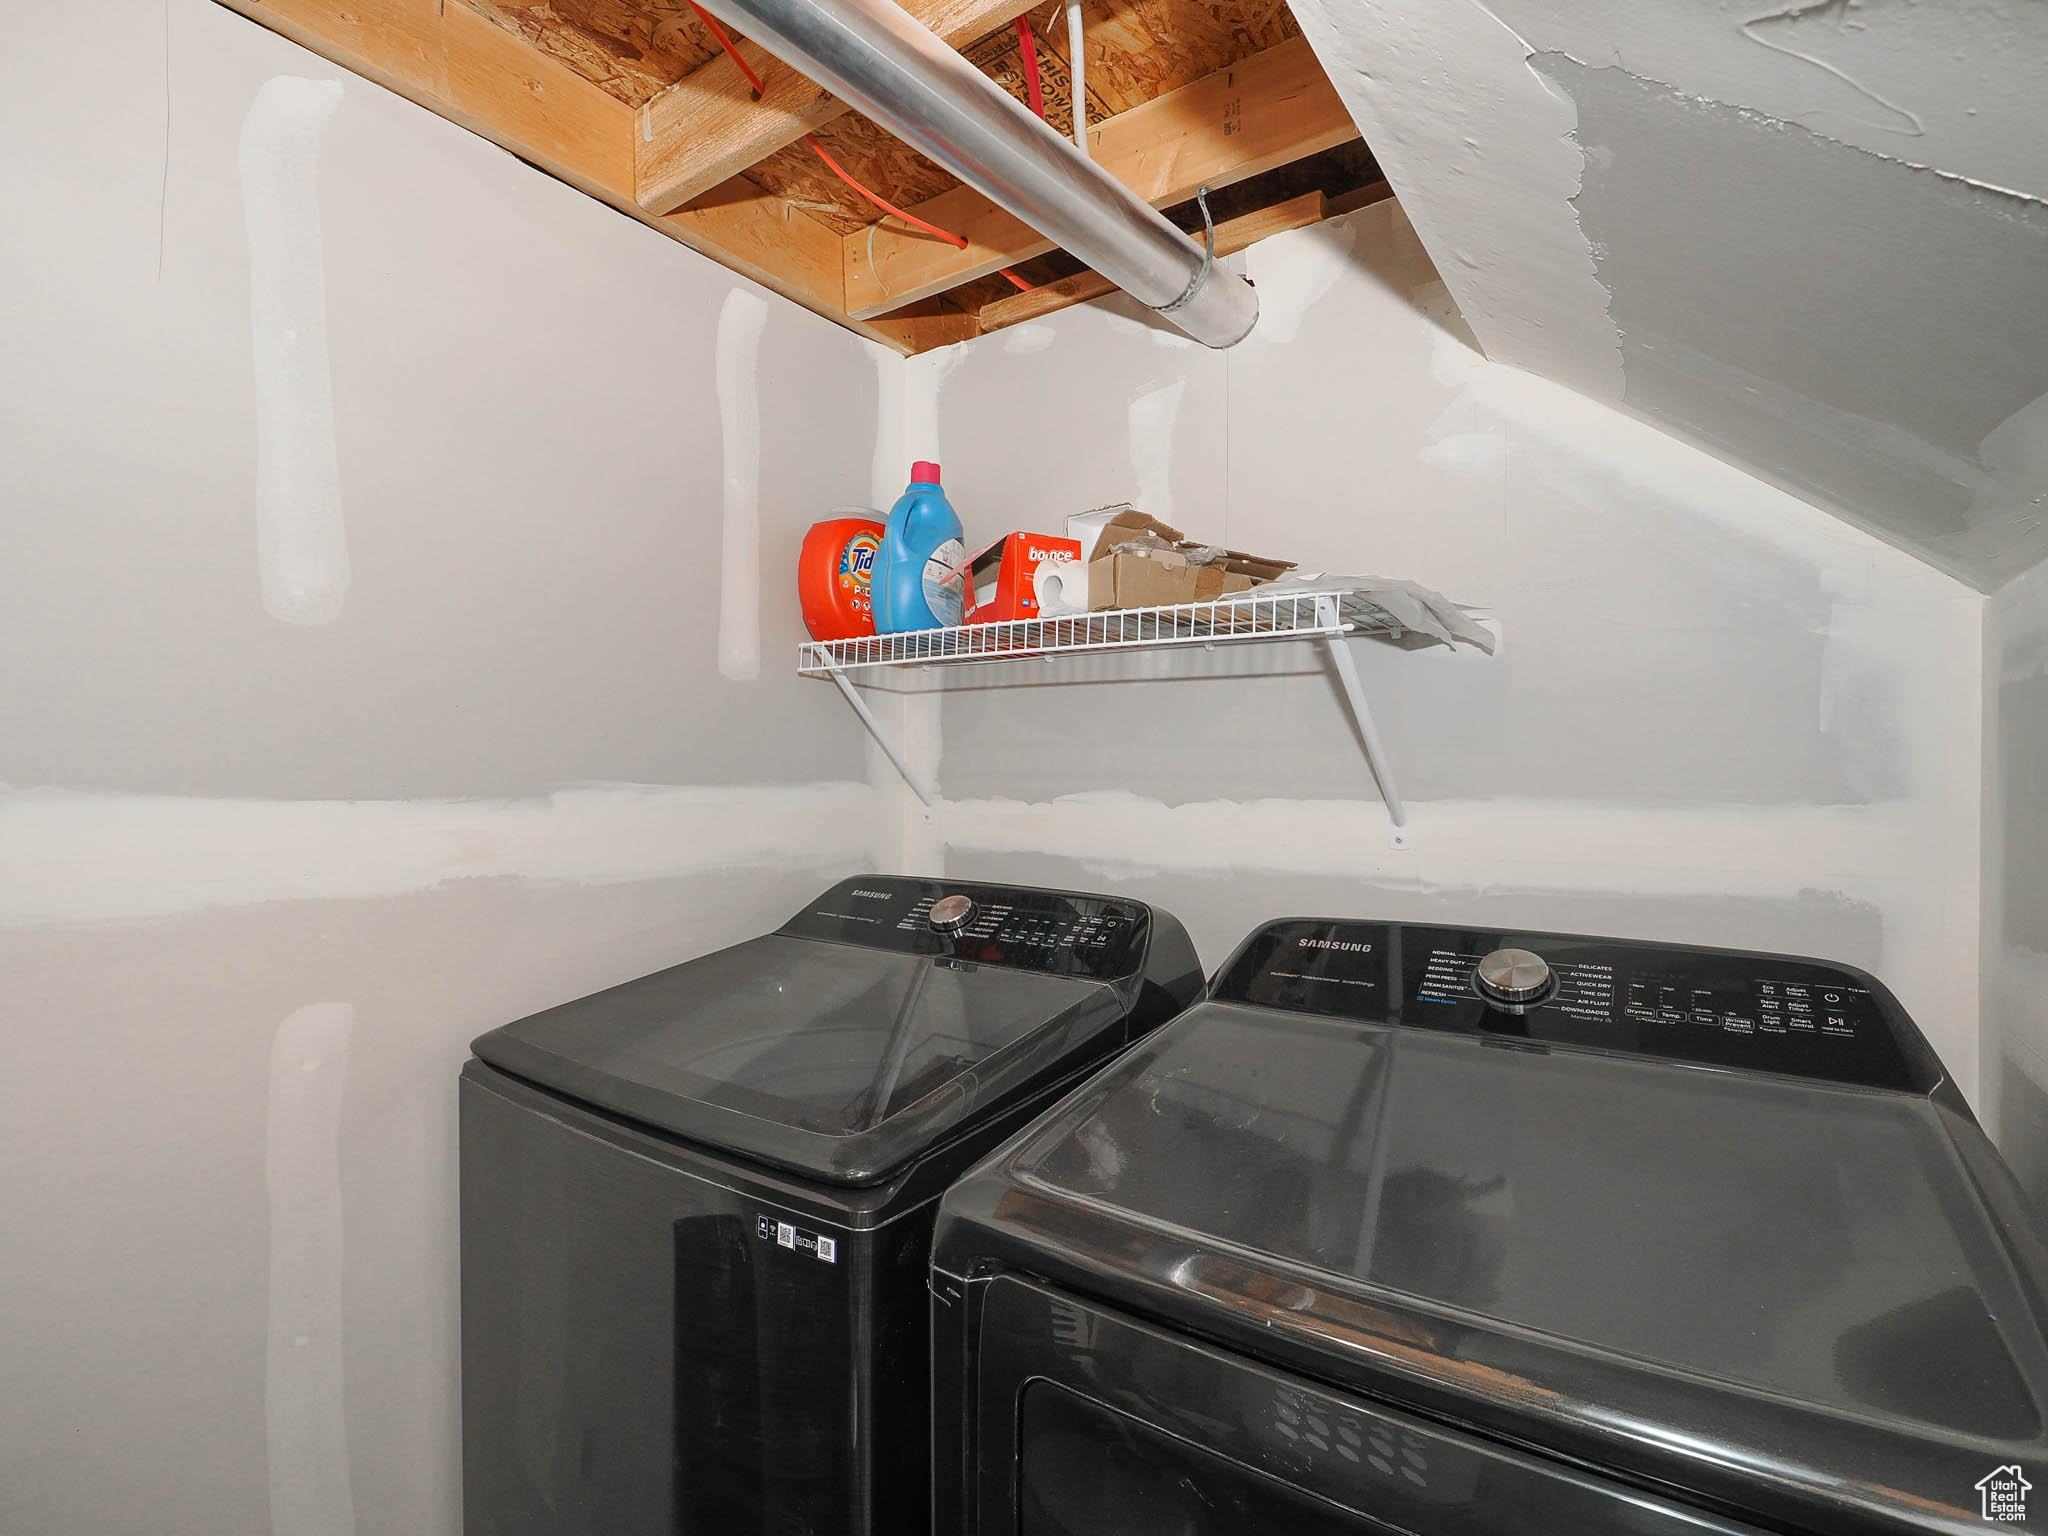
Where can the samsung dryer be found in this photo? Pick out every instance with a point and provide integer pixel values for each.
(697, 1208)
(1429, 1229)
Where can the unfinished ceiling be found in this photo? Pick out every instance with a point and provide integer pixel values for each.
(1812, 239)
(636, 102)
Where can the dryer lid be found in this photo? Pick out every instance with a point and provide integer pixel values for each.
(1834, 1246)
(840, 1062)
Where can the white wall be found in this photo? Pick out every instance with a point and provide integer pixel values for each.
(1718, 714)
(284, 825)
(2015, 1049)
(283, 830)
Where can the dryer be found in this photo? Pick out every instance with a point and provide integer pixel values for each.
(1430, 1229)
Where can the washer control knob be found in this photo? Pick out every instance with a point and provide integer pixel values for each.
(1514, 980)
(950, 914)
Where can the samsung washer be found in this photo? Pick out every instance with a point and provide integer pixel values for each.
(697, 1208)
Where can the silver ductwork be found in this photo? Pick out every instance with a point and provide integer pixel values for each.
(874, 56)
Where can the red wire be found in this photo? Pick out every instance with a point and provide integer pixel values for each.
(886, 207)
(725, 42)
(838, 170)
(1028, 46)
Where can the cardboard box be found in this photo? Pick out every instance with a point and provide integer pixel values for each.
(999, 575)
(1087, 527)
(1160, 573)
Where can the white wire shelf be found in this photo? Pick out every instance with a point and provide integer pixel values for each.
(1306, 615)
(1329, 616)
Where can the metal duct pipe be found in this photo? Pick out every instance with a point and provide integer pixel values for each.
(872, 54)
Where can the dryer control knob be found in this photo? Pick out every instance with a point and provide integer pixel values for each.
(950, 914)
(1514, 980)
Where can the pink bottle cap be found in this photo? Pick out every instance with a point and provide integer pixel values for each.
(924, 472)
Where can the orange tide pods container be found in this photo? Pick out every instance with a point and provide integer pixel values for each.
(834, 574)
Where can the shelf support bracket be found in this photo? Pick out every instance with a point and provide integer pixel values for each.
(875, 730)
(1368, 732)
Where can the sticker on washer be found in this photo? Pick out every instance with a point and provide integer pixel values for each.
(784, 1235)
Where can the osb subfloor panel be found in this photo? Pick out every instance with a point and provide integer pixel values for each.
(1137, 49)
(872, 156)
(633, 48)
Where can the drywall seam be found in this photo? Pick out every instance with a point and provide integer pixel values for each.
(1293, 271)
(2017, 1010)
(1757, 115)
(89, 858)
(924, 387)
(1688, 849)
(1460, 440)
(1792, 16)
(1482, 152)
(1885, 855)
(1024, 340)
(1152, 418)
(888, 470)
(1719, 494)
(163, 188)
(738, 366)
(1127, 316)
(301, 542)
(903, 835)
(1955, 78)
(2014, 460)
(304, 1418)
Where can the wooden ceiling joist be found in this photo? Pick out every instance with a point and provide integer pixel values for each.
(458, 64)
(632, 102)
(1267, 110)
(708, 126)
(454, 62)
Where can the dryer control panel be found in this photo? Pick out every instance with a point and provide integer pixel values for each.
(1711, 1007)
(1053, 931)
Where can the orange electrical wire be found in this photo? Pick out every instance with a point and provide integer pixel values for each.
(886, 207)
(754, 80)
(711, 22)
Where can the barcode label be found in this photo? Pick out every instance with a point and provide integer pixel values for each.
(788, 1235)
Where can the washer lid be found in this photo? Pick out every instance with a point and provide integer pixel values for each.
(840, 1062)
(1565, 1227)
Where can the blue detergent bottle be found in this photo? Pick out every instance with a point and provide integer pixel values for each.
(920, 544)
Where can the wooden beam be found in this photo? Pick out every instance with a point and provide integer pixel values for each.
(708, 127)
(1232, 235)
(933, 323)
(1268, 110)
(459, 65)
(760, 235)
(469, 70)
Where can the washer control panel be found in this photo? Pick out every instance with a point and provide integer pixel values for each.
(1051, 931)
(1721, 1008)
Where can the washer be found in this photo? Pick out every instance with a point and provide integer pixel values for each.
(1436, 1229)
(697, 1208)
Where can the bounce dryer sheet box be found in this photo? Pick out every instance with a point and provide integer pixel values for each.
(1000, 575)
